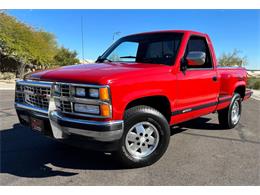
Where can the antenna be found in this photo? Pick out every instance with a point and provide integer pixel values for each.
(82, 39)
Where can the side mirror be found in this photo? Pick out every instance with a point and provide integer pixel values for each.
(196, 58)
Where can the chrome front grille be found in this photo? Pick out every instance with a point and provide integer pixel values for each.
(19, 95)
(37, 95)
(65, 90)
(64, 106)
(33, 95)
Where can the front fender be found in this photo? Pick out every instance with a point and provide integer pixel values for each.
(120, 102)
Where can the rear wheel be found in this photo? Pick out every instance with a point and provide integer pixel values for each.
(146, 137)
(230, 116)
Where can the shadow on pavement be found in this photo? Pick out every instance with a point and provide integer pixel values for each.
(26, 153)
(201, 123)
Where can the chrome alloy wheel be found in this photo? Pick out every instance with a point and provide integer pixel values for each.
(142, 139)
(235, 112)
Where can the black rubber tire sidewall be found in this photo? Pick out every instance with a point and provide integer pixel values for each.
(225, 119)
(235, 98)
(141, 114)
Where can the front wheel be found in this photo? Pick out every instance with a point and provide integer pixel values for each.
(230, 116)
(146, 137)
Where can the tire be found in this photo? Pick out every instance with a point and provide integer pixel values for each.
(225, 115)
(147, 127)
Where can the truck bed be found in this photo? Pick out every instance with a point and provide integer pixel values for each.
(230, 77)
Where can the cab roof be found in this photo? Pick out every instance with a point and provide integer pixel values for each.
(172, 31)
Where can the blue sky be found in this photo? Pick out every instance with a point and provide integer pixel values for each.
(228, 29)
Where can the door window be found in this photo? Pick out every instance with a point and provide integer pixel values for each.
(197, 43)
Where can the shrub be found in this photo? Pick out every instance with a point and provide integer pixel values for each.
(253, 83)
(7, 76)
(256, 85)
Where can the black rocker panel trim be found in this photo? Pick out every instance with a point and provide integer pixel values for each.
(201, 106)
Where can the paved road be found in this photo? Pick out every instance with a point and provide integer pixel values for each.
(199, 154)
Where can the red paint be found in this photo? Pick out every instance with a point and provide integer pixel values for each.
(130, 81)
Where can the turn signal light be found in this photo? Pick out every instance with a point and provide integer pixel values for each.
(105, 110)
(103, 93)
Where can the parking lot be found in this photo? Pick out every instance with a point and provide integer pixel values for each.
(199, 154)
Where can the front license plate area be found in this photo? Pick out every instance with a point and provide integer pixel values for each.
(37, 124)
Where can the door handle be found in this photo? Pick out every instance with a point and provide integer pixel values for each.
(214, 78)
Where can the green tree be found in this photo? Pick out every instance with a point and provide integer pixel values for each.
(232, 59)
(65, 57)
(22, 45)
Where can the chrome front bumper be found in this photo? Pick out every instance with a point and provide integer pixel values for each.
(100, 131)
(62, 127)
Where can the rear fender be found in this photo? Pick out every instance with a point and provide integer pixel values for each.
(237, 85)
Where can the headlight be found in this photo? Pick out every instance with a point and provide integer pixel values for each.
(94, 93)
(80, 92)
(84, 108)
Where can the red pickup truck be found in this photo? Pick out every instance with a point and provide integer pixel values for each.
(126, 102)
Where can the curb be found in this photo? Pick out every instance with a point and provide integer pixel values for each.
(256, 94)
(8, 88)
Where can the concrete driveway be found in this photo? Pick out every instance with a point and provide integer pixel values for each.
(199, 154)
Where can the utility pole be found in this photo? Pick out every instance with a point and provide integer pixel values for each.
(114, 34)
(82, 39)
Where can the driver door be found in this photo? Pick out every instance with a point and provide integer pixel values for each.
(197, 87)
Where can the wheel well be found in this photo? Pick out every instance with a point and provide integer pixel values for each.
(160, 103)
(241, 90)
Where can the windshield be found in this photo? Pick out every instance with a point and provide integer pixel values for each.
(157, 48)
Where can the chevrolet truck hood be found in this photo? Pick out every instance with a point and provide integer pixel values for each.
(102, 73)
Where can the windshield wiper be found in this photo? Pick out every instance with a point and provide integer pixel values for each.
(127, 57)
